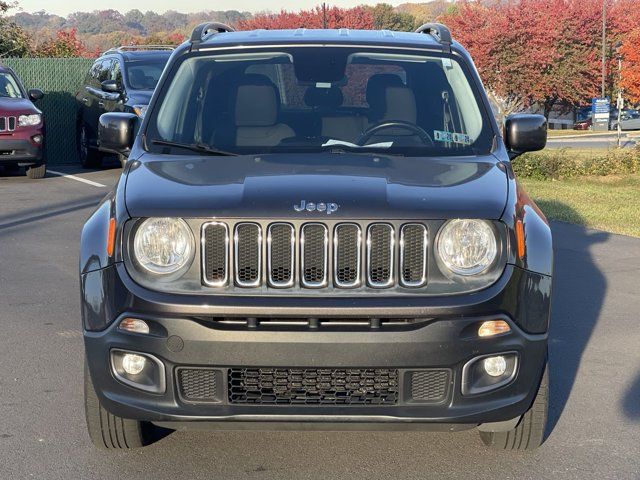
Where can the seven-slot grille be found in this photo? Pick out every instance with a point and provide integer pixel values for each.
(7, 124)
(314, 255)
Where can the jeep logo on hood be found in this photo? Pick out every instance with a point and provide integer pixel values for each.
(316, 207)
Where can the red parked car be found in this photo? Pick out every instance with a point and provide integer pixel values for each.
(21, 126)
(583, 124)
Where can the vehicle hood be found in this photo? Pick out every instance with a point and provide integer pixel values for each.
(363, 186)
(16, 106)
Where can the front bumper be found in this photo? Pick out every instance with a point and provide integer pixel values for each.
(20, 151)
(443, 341)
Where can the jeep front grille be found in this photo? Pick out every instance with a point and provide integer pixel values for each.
(314, 255)
(215, 244)
(7, 124)
(413, 247)
(280, 254)
(380, 255)
(347, 250)
(314, 242)
(248, 254)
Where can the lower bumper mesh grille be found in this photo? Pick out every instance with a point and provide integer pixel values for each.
(310, 386)
(198, 384)
(430, 385)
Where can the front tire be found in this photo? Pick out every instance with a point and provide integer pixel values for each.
(108, 431)
(89, 158)
(529, 433)
(37, 172)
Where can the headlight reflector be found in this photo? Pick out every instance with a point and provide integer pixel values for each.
(467, 247)
(29, 120)
(163, 245)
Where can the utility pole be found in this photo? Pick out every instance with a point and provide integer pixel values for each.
(604, 41)
(324, 15)
(620, 102)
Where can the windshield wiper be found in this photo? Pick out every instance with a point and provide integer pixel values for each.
(195, 147)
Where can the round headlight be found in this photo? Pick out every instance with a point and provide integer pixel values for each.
(163, 245)
(467, 247)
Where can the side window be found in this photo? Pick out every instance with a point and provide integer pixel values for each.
(116, 73)
(105, 70)
(92, 76)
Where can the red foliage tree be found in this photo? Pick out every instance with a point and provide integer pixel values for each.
(65, 44)
(357, 17)
(541, 51)
(630, 52)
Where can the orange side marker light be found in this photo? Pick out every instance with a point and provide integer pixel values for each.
(111, 237)
(520, 239)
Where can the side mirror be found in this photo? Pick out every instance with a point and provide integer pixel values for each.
(35, 94)
(524, 132)
(116, 132)
(110, 86)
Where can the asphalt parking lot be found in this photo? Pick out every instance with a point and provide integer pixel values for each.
(594, 352)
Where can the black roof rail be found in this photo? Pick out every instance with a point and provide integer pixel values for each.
(440, 32)
(204, 29)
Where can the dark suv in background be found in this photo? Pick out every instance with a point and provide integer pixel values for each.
(120, 80)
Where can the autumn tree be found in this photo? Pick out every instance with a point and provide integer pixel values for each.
(538, 51)
(630, 75)
(14, 41)
(65, 44)
(358, 17)
(385, 17)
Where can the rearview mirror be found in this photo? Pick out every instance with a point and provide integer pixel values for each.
(35, 94)
(525, 132)
(116, 132)
(110, 86)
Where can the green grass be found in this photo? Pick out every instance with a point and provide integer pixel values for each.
(562, 133)
(610, 203)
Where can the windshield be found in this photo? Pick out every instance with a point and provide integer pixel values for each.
(8, 86)
(144, 75)
(312, 99)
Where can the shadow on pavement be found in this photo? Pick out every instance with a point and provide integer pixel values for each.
(578, 294)
(29, 216)
(631, 401)
(109, 163)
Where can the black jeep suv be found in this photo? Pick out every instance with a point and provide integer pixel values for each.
(317, 229)
(120, 80)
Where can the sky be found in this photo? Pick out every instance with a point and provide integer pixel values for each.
(64, 7)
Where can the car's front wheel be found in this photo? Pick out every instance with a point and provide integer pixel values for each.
(530, 431)
(89, 157)
(110, 432)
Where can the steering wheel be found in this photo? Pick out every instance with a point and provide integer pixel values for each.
(386, 124)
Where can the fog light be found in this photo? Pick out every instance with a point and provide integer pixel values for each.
(133, 364)
(37, 139)
(493, 327)
(134, 325)
(495, 366)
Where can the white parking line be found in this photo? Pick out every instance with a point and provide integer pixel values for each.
(78, 179)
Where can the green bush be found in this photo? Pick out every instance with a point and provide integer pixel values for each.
(564, 163)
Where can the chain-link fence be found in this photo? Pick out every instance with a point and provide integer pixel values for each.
(60, 79)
